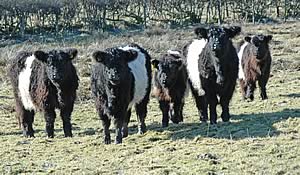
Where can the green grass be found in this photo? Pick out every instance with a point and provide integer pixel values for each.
(263, 137)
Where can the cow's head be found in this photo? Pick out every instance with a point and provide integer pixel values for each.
(259, 45)
(57, 63)
(218, 43)
(218, 37)
(167, 68)
(115, 62)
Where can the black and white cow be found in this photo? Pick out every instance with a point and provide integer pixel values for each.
(43, 81)
(254, 65)
(212, 66)
(121, 78)
(170, 85)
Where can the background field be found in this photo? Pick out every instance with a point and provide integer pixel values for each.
(263, 137)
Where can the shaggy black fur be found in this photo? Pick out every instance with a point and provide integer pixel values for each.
(169, 86)
(113, 86)
(256, 65)
(53, 84)
(218, 69)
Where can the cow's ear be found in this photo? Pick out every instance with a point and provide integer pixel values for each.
(131, 55)
(41, 55)
(179, 62)
(248, 39)
(233, 31)
(99, 56)
(268, 38)
(155, 63)
(72, 53)
(201, 32)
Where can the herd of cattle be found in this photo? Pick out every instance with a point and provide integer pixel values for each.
(121, 77)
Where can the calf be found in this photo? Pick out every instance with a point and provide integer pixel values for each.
(212, 66)
(169, 81)
(255, 65)
(44, 81)
(121, 78)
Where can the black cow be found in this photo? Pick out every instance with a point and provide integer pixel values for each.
(121, 78)
(169, 85)
(255, 65)
(44, 81)
(212, 65)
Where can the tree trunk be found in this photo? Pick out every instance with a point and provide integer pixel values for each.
(145, 13)
(208, 12)
(56, 23)
(219, 12)
(22, 24)
(253, 11)
(104, 18)
(285, 10)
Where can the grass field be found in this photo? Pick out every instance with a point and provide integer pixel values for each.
(263, 137)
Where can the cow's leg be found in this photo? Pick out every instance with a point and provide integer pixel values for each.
(118, 121)
(224, 101)
(243, 88)
(125, 124)
(141, 112)
(50, 119)
(164, 107)
(180, 109)
(177, 111)
(213, 101)
(201, 104)
(105, 124)
(180, 112)
(262, 86)
(25, 118)
(250, 90)
(65, 114)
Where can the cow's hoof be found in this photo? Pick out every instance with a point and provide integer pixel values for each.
(165, 124)
(264, 97)
(28, 134)
(125, 133)
(118, 140)
(68, 134)
(225, 117)
(250, 97)
(142, 129)
(203, 119)
(51, 135)
(107, 140)
(175, 120)
(213, 122)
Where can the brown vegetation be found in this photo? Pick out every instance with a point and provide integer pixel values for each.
(39, 16)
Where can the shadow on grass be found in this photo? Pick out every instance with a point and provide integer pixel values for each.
(5, 97)
(240, 127)
(292, 95)
(18, 133)
(37, 132)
